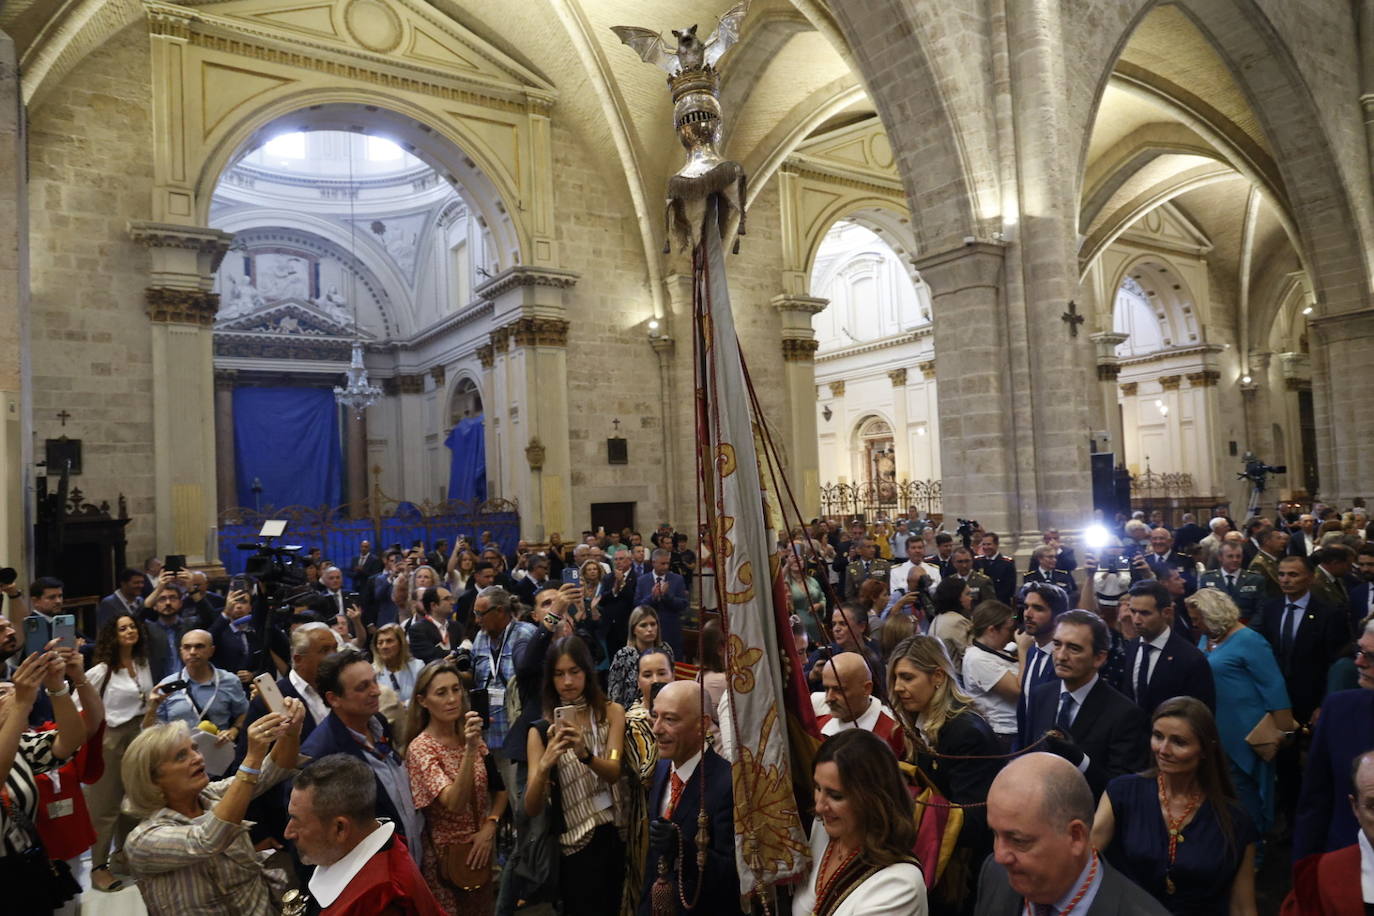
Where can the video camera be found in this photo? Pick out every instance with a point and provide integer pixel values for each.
(276, 569)
(1257, 471)
(965, 530)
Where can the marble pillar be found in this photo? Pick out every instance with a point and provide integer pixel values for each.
(181, 310)
(16, 413)
(1107, 410)
(227, 474)
(1343, 398)
(530, 355)
(799, 378)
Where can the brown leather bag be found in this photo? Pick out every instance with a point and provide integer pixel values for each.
(454, 869)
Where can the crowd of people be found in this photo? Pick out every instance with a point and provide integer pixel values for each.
(1137, 723)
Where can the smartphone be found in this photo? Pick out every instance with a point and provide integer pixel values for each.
(565, 714)
(8, 575)
(481, 704)
(270, 693)
(572, 576)
(174, 562)
(173, 686)
(241, 584)
(353, 598)
(64, 628)
(36, 634)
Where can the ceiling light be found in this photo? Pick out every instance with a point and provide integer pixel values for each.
(1307, 311)
(653, 324)
(1245, 380)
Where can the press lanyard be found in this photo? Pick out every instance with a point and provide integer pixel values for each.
(190, 698)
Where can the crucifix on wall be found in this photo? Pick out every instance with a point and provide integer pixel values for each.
(1072, 318)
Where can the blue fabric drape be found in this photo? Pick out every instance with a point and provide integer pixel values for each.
(288, 438)
(467, 476)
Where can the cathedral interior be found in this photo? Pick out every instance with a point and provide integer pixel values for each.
(987, 241)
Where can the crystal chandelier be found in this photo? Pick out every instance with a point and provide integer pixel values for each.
(359, 394)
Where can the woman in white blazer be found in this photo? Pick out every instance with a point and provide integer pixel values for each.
(861, 840)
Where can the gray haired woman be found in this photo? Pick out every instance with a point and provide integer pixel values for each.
(191, 853)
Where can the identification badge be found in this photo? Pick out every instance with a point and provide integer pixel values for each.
(496, 696)
(601, 801)
(61, 808)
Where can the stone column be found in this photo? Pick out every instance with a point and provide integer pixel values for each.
(901, 432)
(1344, 403)
(225, 459)
(16, 411)
(1109, 404)
(181, 310)
(529, 310)
(799, 378)
(1173, 437)
(1206, 429)
(355, 487)
(664, 349)
(977, 431)
(486, 356)
(1258, 395)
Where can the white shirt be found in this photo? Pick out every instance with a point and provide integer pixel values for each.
(982, 670)
(1294, 619)
(684, 773)
(125, 696)
(329, 881)
(1366, 868)
(898, 890)
(313, 701)
(866, 720)
(1159, 642)
(897, 578)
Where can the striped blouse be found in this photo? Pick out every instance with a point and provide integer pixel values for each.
(35, 756)
(588, 802)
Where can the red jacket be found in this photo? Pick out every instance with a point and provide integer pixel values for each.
(1326, 884)
(63, 821)
(389, 883)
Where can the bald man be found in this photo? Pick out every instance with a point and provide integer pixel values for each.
(199, 691)
(675, 800)
(1329, 884)
(1040, 810)
(849, 698)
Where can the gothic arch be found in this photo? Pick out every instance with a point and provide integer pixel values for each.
(1171, 299)
(465, 383)
(884, 217)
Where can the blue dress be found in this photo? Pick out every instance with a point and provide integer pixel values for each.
(1205, 864)
(1249, 685)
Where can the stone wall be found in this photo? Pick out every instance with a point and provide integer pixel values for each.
(90, 173)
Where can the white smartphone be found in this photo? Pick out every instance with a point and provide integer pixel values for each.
(565, 714)
(270, 693)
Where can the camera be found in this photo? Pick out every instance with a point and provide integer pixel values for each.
(174, 686)
(965, 530)
(462, 659)
(1256, 471)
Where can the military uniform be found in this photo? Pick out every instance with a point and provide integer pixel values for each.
(858, 571)
(1247, 589)
(1331, 591)
(981, 585)
(1266, 566)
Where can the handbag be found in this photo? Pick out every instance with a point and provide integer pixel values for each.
(535, 866)
(1264, 739)
(33, 882)
(454, 869)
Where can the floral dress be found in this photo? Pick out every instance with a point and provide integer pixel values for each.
(433, 767)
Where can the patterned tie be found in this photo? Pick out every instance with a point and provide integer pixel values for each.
(675, 787)
(1042, 909)
(1142, 678)
(1062, 721)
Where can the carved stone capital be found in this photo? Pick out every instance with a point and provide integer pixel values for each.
(390, 386)
(927, 368)
(1297, 384)
(1170, 382)
(486, 355)
(898, 378)
(1129, 388)
(539, 332)
(212, 243)
(1207, 378)
(438, 374)
(837, 389)
(521, 276)
(1108, 372)
(410, 384)
(500, 339)
(663, 346)
(808, 305)
(799, 349)
(181, 306)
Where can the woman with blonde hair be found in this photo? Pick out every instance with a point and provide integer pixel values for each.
(192, 853)
(623, 684)
(461, 565)
(455, 783)
(954, 749)
(393, 663)
(1249, 687)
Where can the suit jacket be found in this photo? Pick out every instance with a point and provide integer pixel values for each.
(1322, 635)
(1346, 728)
(1180, 671)
(675, 601)
(1055, 577)
(1066, 561)
(1046, 676)
(333, 737)
(381, 610)
(1186, 567)
(1299, 544)
(268, 811)
(1110, 729)
(230, 652)
(1247, 591)
(111, 607)
(425, 642)
(161, 660)
(1117, 896)
(360, 570)
(720, 880)
(1332, 591)
(1359, 604)
(1190, 533)
(1002, 571)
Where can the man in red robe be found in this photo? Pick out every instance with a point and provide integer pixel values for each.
(1341, 883)
(362, 867)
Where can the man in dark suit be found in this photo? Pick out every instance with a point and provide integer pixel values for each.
(238, 644)
(1041, 813)
(1106, 734)
(675, 800)
(1162, 554)
(165, 626)
(1344, 731)
(378, 608)
(1159, 663)
(1190, 532)
(1041, 606)
(1306, 634)
(537, 578)
(666, 593)
(127, 598)
(1362, 595)
(1303, 536)
(364, 566)
(1001, 570)
(435, 634)
(940, 559)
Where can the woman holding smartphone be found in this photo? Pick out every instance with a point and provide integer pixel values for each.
(574, 765)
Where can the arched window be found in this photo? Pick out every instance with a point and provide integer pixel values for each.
(1134, 315)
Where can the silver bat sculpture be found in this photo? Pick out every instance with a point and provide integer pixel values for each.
(691, 53)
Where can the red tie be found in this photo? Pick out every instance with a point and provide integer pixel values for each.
(675, 786)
